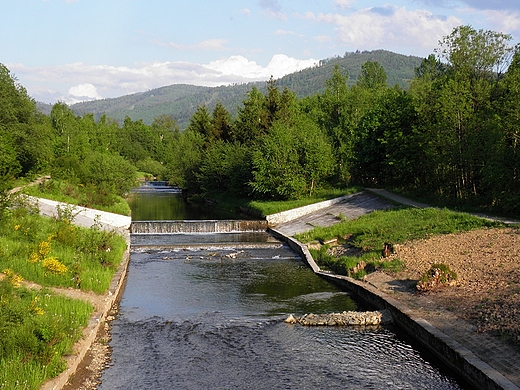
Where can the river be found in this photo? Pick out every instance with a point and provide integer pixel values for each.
(201, 316)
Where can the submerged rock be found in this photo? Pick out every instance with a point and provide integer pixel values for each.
(351, 318)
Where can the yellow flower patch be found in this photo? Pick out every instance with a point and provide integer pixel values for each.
(51, 264)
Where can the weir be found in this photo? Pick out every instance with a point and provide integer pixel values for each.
(195, 226)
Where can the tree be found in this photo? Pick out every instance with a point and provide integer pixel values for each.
(225, 168)
(136, 140)
(252, 119)
(291, 160)
(185, 159)
(221, 127)
(373, 76)
(200, 122)
(109, 172)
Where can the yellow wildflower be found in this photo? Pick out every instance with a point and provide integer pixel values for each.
(53, 265)
(44, 248)
(33, 257)
(13, 278)
(34, 308)
(16, 227)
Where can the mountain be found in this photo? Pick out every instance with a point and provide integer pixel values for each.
(181, 100)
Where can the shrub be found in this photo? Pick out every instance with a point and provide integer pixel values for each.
(438, 275)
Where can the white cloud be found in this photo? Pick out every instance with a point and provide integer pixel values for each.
(77, 81)
(343, 3)
(389, 27)
(84, 92)
(503, 21)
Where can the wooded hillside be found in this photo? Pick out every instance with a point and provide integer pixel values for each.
(181, 101)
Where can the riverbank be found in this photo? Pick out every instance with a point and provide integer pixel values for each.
(485, 260)
(493, 357)
(93, 346)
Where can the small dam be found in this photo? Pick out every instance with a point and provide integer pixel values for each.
(198, 226)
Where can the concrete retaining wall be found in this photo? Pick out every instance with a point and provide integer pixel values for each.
(289, 215)
(83, 216)
(461, 360)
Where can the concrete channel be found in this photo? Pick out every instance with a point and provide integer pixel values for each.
(472, 369)
(460, 359)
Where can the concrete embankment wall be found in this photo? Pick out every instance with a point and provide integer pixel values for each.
(110, 222)
(289, 215)
(83, 216)
(461, 360)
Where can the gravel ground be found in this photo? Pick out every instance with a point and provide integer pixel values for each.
(487, 263)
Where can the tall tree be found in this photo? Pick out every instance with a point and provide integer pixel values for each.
(252, 119)
(221, 127)
(200, 122)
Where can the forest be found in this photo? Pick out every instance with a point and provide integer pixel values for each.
(452, 136)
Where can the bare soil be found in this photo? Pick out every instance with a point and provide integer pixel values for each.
(487, 290)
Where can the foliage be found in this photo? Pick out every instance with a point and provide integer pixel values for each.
(224, 169)
(438, 275)
(55, 252)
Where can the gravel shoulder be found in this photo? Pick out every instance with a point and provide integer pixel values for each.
(487, 263)
(482, 310)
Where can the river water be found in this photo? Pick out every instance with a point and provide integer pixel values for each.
(201, 316)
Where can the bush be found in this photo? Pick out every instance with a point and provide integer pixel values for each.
(437, 276)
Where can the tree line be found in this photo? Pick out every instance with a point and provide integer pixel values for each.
(453, 135)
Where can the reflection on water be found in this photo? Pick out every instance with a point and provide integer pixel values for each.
(212, 318)
(166, 203)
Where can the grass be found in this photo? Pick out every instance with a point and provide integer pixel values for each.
(75, 257)
(87, 196)
(262, 208)
(369, 233)
(38, 329)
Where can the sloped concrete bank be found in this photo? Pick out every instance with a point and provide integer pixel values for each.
(289, 215)
(105, 302)
(461, 360)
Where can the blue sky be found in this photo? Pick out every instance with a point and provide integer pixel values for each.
(74, 50)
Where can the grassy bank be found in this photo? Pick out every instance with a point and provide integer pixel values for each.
(56, 253)
(261, 208)
(38, 328)
(86, 196)
(367, 235)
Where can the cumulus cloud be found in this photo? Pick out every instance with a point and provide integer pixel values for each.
(343, 3)
(389, 27)
(505, 21)
(83, 92)
(75, 82)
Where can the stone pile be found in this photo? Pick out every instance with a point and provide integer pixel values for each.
(352, 318)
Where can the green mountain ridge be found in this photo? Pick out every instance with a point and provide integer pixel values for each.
(181, 100)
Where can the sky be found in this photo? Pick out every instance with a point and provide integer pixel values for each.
(77, 50)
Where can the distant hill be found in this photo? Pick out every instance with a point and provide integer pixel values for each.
(181, 101)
